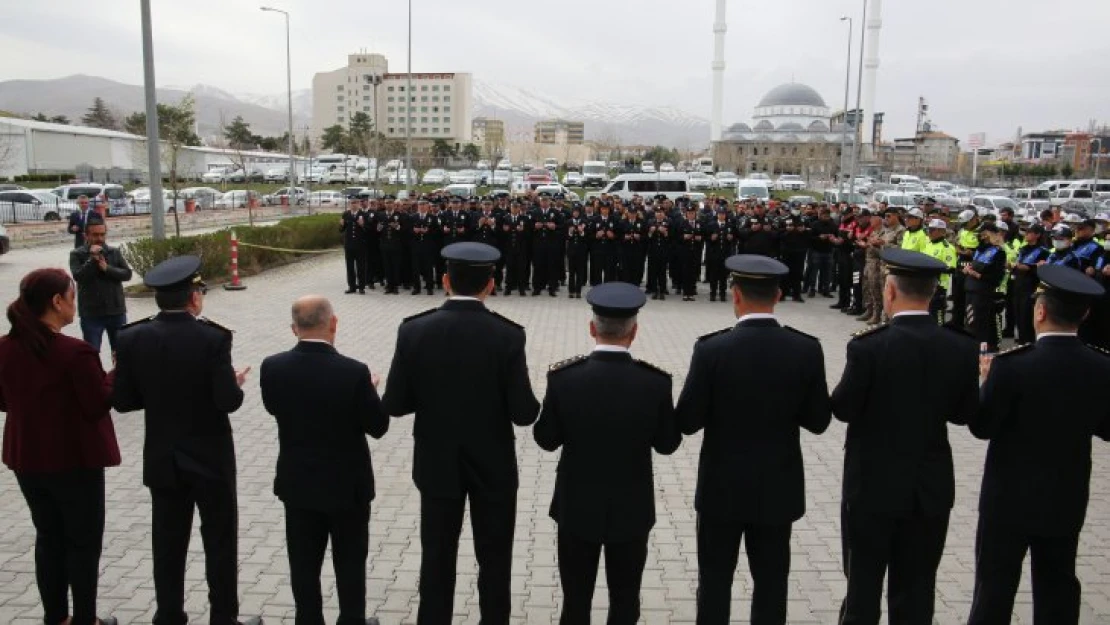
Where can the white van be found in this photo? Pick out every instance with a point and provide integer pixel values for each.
(753, 188)
(625, 186)
(595, 174)
(897, 179)
(1098, 186)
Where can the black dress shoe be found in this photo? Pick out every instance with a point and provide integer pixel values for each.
(362, 291)
(251, 620)
(712, 297)
(838, 305)
(348, 291)
(812, 293)
(552, 292)
(107, 620)
(655, 296)
(371, 287)
(536, 293)
(798, 298)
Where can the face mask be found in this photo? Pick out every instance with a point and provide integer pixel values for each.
(1057, 244)
(835, 215)
(1106, 245)
(795, 212)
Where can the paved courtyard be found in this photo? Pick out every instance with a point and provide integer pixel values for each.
(556, 330)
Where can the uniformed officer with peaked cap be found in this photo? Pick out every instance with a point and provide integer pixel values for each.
(461, 369)
(607, 411)
(1036, 481)
(899, 486)
(176, 366)
(751, 387)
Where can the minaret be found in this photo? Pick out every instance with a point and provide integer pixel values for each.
(871, 70)
(719, 28)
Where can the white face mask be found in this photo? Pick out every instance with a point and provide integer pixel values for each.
(1059, 244)
(835, 215)
(1106, 245)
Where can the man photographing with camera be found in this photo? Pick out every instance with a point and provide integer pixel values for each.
(99, 271)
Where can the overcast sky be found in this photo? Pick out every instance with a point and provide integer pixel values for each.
(983, 65)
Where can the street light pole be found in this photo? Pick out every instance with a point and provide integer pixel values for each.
(1098, 155)
(375, 80)
(289, 89)
(847, 82)
(859, 92)
(409, 99)
(154, 162)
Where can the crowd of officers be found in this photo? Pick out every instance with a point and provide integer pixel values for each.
(678, 246)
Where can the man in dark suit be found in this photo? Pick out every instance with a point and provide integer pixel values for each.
(176, 366)
(899, 485)
(78, 219)
(608, 411)
(1038, 469)
(353, 225)
(461, 368)
(324, 404)
(751, 387)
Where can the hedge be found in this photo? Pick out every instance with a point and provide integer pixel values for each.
(315, 232)
(63, 177)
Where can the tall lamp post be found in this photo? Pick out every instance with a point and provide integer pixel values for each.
(409, 112)
(289, 89)
(855, 127)
(1098, 157)
(847, 82)
(375, 80)
(154, 163)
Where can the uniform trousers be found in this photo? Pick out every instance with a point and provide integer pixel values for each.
(768, 549)
(905, 549)
(999, 552)
(1023, 314)
(516, 269)
(657, 268)
(493, 523)
(547, 264)
(843, 264)
(374, 272)
(981, 318)
(632, 263)
(858, 268)
(873, 288)
(603, 263)
(576, 260)
(624, 572)
(959, 293)
(690, 269)
(423, 265)
(67, 509)
(306, 535)
(795, 261)
(355, 257)
(716, 273)
(391, 264)
(939, 304)
(172, 522)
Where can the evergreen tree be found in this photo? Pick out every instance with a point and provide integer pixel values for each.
(99, 116)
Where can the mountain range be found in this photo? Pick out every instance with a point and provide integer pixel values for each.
(624, 124)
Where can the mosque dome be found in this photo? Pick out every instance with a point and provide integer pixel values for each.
(792, 94)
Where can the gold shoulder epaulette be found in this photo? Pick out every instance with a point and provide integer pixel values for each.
(505, 319)
(1013, 350)
(569, 362)
(418, 315)
(797, 331)
(207, 321)
(713, 334)
(137, 322)
(648, 365)
(1098, 349)
(868, 331)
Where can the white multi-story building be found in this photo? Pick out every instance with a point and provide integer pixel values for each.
(439, 105)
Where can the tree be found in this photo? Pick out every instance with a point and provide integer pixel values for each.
(135, 123)
(40, 117)
(99, 116)
(334, 138)
(306, 147)
(361, 133)
(1067, 170)
(238, 134)
(442, 150)
(175, 130)
(471, 153)
(60, 119)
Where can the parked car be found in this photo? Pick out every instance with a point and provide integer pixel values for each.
(895, 199)
(327, 198)
(398, 177)
(463, 176)
(435, 176)
(501, 177)
(205, 197)
(215, 176)
(572, 179)
(367, 176)
(790, 182)
(666, 168)
(12, 187)
(556, 189)
(299, 195)
(832, 196)
(111, 196)
(277, 174)
(993, 203)
(702, 181)
(17, 206)
(647, 167)
(239, 198)
(801, 200)
(1061, 197)
(354, 192)
(464, 190)
(727, 180)
(483, 164)
(757, 175)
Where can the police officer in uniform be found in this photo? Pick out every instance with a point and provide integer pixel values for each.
(603, 247)
(1024, 282)
(578, 251)
(899, 483)
(691, 233)
(461, 369)
(547, 251)
(981, 279)
(751, 387)
(607, 411)
(939, 248)
(1038, 467)
(390, 224)
(659, 252)
(633, 232)
(720, 243)
(423, 229)
(176, 366)
(516, 232)
(353, 227)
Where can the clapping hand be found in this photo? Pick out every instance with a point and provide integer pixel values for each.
(985, 361)
(375, 379)
(241, 376)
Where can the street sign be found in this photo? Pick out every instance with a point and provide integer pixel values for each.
(977, 140)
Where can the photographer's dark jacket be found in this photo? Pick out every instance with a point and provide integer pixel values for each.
(99, 293)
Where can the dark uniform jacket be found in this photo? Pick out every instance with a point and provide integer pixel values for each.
(178, 369)
(324, 404)
(608, 412)
(354, 235)
(751, 387)
(903, 383)
(1038, 468)
(461, 368)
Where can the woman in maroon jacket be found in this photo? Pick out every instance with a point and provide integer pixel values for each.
(58, 437)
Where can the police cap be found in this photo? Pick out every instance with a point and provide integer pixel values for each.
(902, 262)
(618, 300)
(753, 267)
(1067, 283)
(471, 254)
(175, 274)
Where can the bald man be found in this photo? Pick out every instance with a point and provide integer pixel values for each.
(324, 404)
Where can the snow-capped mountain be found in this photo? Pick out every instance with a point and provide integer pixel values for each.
(626, 123)
(302, 101)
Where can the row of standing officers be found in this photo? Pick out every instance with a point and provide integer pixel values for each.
(461, 370)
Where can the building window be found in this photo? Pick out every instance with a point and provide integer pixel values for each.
(423, 131)
(423, 109)
(339, 87)
(435, 120)
(447, 120)
(435, 87)
(447, 109)
(446, 98)
(401, 89)
(446, 87)
(390, 120)
(435, 109)
(365, 98)
(423, 120)
(423, 87)
(766, 151)
(446, 131)
(389, 89)
(390, 98)
(366, 87)
(366, 109)
(435, 131)
(435, 98)
(340, 98)
(423, 98)
(390, 131)
(339, 108)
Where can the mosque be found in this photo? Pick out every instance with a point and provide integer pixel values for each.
(792, 132)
